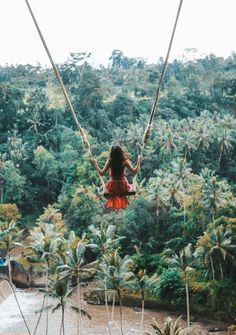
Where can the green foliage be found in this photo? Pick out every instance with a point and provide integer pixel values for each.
(221, 302)
(12, 183)
(140, 226)
(153, 263)
(170, 327)
(170, 287)
(83, 208)
(187, 180)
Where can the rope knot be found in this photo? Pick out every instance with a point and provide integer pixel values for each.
(147, 133)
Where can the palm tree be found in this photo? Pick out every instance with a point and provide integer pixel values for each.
(225, 141)
(35, 122)
(16, 145)
(187, 142)
(171, 327)
(215, 193)
(183, 261)
(203, 136)
(19, 151)
(168, 141)
(53, 216)
(141, 280)
(41, 251)
(202, 251)
(116, 273)
(144, 282)
(227, 121)
(4, 165)
(134, 136)
(222, 247)
(62, 292)
(76, 265)
(9, 236)
(206, 174)
(104, 238)
(216, 247)
(159, 191)
(180, 172)
(118, 136)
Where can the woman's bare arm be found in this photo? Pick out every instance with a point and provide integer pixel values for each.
(131, 167)
(101, 171)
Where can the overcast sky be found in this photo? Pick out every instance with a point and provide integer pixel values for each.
(140, 28)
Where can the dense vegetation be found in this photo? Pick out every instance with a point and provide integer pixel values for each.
(182, 224)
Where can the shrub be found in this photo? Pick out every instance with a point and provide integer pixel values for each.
(170, 287)
(9, 212)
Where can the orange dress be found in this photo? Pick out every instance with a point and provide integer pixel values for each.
(117, 188)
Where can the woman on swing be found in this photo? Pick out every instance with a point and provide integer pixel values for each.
(118, 185)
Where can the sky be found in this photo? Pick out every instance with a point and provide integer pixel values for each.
(139, 28)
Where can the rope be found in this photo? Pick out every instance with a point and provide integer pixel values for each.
(71, 109)
(157, 96)
(154, 107)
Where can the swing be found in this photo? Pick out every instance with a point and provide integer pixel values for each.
(132, 191)
(84, 139)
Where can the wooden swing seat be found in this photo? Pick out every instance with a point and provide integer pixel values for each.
(132, 191)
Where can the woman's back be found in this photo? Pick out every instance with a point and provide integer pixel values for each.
(119, 173)
(116, 161)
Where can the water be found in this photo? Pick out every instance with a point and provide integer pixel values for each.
(30, 300)
(5, 290)
(9, 311)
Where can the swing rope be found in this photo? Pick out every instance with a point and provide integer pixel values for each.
(71, 109)
(157, 96)
(147, 132)
(58, 76)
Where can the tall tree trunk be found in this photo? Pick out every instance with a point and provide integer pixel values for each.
(39, 318)
(14, 292)
(13, 289)
(142, 315)
(47, 281)
(212, 268)
(221, 152)
(187, 299)
(79, 305)
(21, 312)
(221, 271)
(121, 314)
(1, 195)
(113, 306)
(184, 213)
(77, 324)
(107, 310)
(9, 267)
(63, 319)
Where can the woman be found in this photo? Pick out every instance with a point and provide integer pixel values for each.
(118, 185)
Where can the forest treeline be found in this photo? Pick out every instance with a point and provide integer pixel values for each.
(187, 183)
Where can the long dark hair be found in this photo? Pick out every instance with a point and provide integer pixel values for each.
(117, 157)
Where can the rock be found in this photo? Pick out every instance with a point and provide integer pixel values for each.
(194, 330)
(137, 309)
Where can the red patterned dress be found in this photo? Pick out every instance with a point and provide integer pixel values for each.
(117, 187)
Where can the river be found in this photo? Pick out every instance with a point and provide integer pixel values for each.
(31, 300)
